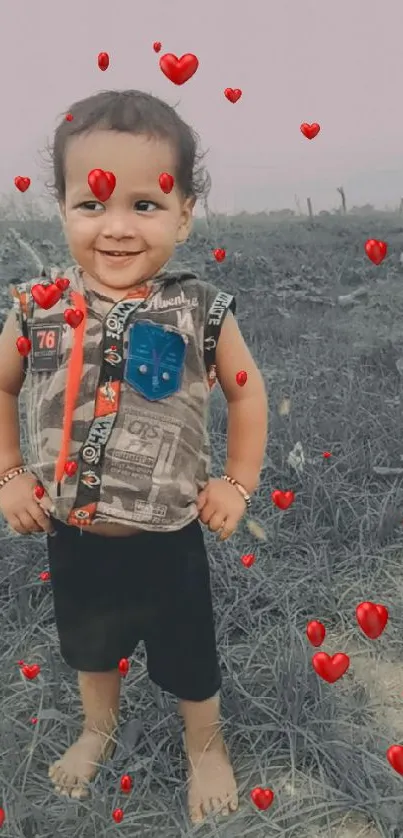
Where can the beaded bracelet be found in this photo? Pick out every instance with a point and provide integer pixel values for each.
(241, 489)
(9, 470)
(13, 472)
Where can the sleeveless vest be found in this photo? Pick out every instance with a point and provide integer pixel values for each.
(117, 406)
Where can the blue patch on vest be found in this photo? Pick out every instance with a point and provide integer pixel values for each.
(155, 360)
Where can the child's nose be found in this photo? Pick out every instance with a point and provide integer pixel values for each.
(119, 225)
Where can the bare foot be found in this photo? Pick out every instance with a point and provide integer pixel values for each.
(212, 786)
(78, 766)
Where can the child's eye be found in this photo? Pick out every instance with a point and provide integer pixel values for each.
(91, 205)
(142, 205)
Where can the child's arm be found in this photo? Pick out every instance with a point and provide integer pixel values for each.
(220, 504)
(247, 406)
(11, 381)
(18, 505)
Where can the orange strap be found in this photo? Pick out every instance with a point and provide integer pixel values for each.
(74, 372)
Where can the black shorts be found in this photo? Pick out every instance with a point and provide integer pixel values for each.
(112, 591)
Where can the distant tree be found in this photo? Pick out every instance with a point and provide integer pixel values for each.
(284, 213)
(366, 209)
(342, 193)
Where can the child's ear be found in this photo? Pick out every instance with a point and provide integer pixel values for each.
(62, 210)
(186, 220)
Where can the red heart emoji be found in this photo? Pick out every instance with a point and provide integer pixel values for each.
(232, 94)
(330, 668)
(123, 666)
(394, 755)
(262, 798)
(69, 117)
(248, 559)
(103, 60)
(22, 183)
(376, 250)
(178, 70)
(315, 632)
(371, 618)
(101, 183)
(310, 131)
(241, 378)
(118, 815)
(126, 783)
(70, 468)
(166, 182)
(62, 283)
(219, 254)
(44, 576)
(282, 499)
(31, 671)
(46, 296)
(23, 345)
(157, 46)
(73, 316)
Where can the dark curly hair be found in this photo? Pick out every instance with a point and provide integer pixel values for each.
(134, 112)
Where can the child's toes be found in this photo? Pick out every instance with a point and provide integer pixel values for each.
(218, 807)
(62, 791)
(54, 770)
(196, 814)
(79, 791)
(64, 784)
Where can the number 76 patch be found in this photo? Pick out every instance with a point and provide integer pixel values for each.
(45, 352)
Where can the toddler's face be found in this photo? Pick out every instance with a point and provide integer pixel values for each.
(138, 218)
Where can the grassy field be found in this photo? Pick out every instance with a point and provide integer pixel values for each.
(333, 369)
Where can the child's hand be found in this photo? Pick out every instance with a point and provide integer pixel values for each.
(22, 511)
(221, 507)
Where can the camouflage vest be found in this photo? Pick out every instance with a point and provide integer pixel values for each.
(136, 444)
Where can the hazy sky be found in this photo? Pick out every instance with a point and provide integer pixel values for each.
(336, 63)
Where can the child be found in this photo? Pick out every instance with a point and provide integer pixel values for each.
(118, 375)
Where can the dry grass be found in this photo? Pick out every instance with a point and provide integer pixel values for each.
(320, 747)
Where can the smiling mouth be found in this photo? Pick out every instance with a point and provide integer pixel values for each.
(118, 253)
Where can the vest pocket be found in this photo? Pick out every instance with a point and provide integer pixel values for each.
(155, 360)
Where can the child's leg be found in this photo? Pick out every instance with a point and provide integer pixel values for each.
(100, 692)
(182, 659)
(95, 582)
(212, 786)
